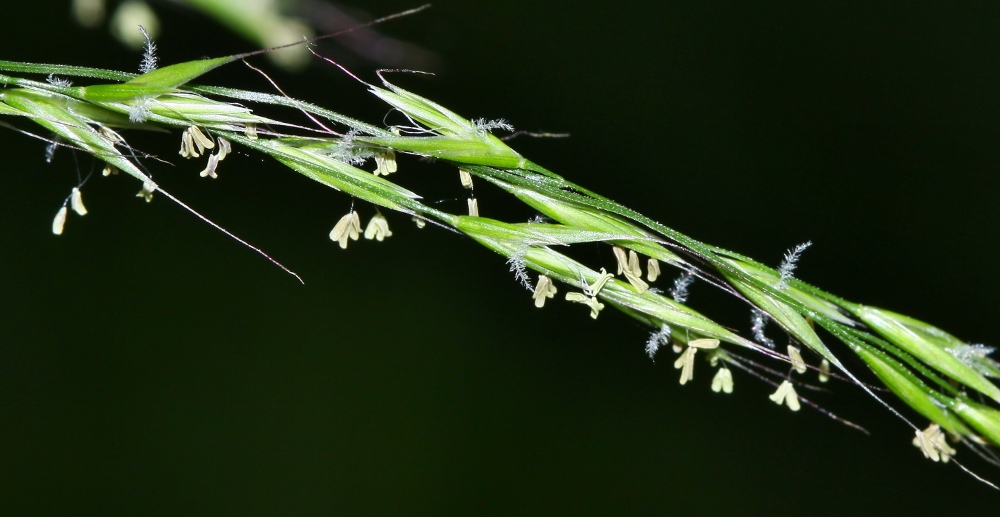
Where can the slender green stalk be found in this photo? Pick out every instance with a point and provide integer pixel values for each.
(941, 377)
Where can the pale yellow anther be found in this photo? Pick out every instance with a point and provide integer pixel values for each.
(545, 288)
(76, 202)
(704, 344)
(348, 227)
(824, 370)
(465, 178)
(187, 145)
(224, 148)
(723, 381)
(621, 258)
(250, 130)
(109, 170)
(686, 364)
(473, 207)
(652, 269)
(59, 221)
(595, 288)
(201, 141)
(786, 394)
(630, 266)
(213, 163)
(419, 222)
(590, 301)
(148, 187)
(633, 263)
(385, 162)
(194, 142)
(933, 444)
(378, 228)
(110, 135)
(676, 347)
(798, 364)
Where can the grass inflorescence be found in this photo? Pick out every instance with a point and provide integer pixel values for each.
(944, 379)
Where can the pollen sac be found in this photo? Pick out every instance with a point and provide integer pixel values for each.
(652, 270)
(250, 130)
(621, 258)
(630, 266)
(824, 371)
(686, 364)
(473, 207)
(109, 170)
(465, 178)
(76, 202)
(786, 393)
(704, 344)
(595, 288)
(348, 227)
(798, 364)
(148, 187)
(59, 221)
(213, 163)
(378, 228)
(194, 142)
(110, 135)
(932, 443)
(201, 141)
(590, 301)
(224, 148)
(385, 162)
(545, 288)
(187, 145)
(723, 381)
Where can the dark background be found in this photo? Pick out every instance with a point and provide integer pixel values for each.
(149, 364)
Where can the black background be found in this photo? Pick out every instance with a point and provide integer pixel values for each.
(150, 364)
